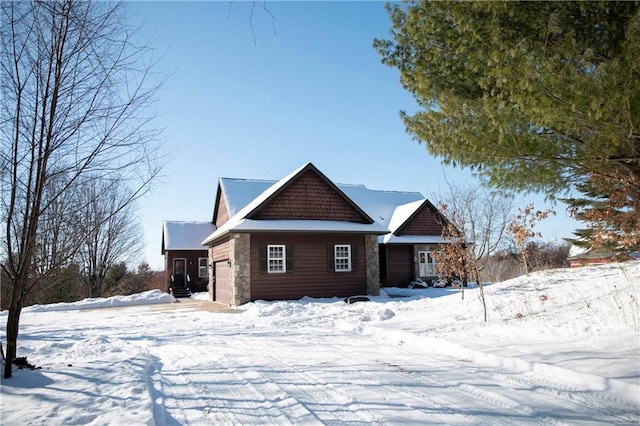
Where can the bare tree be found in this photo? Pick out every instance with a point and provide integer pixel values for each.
(75, 98)
(455, 259)
(521, 228)
(482, 214)
(110, 231)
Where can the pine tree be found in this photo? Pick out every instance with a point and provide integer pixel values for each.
(536, 96)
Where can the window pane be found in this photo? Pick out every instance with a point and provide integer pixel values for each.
(275, 258)
(202, 267)
(342, 257)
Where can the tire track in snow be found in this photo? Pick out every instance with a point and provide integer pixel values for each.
(190, 374)
(558, 397)
(328, 405)
(601, 407)
(376, 391)
(253, 380)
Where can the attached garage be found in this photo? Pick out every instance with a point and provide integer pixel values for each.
(222, 274)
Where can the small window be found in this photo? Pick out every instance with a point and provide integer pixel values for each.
(276, 256)
(202, 267)
(342, 258)
(432, 266)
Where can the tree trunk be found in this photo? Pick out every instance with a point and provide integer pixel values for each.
(13, 321)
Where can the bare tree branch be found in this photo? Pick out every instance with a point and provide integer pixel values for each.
(74, 109)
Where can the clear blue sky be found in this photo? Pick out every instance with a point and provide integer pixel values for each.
(255, 94)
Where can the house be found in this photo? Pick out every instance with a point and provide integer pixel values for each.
(305, 235)
(184, 254)
(583, 256)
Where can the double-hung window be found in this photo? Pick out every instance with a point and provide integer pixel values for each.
(202, 267)
(276, 259)
(342, 257)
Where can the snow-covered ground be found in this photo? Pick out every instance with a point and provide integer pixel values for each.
(559, 347)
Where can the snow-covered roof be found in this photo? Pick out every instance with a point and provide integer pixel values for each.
(575, 251)
(177, 235)
(240, 192)
(411, 239)
(388, 209)
(379, 205)
(308, 225)
(402, 213)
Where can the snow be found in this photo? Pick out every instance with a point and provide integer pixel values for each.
(177, 235)
(247, 225)
(240, 192)
(559, 347)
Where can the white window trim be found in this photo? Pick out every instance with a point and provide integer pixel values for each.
(338, 267)
(282, 259)
(202, 267)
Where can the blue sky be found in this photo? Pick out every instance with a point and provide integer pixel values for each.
(255, 94)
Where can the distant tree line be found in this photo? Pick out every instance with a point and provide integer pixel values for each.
(540, 255)
(488, 241)
(71, 283)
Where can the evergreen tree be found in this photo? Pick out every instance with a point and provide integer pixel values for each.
(538, 96)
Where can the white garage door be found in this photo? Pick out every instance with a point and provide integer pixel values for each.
(223, 282)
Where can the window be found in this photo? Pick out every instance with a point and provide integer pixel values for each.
(342, 258)
(202, 267)
(432, 267)
(276, 257)
(179, 266)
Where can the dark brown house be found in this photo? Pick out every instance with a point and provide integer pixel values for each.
(307, 236)
(301, 236)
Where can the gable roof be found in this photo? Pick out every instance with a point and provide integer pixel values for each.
(311, 183)
(179, 235)
(379, 205)
(404, 215)
(237, 193)
(242, 220)
(387, 210)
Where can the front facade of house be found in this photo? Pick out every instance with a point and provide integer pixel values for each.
(307, 236)
(301, 236)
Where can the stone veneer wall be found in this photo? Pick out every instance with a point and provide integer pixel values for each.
(211, 284)
(372, 259)
(240, 257)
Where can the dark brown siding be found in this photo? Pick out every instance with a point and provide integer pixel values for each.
(399, 264)
(309, 197)
(197, 284)
(222, 215)
(427, 221)
(311, 275)
(220, 251)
